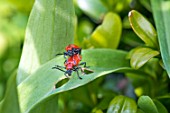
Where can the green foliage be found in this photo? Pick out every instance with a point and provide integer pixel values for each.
(125, 73)
(107, 35)
(143, 29)
(122, 104)
(10, 102)
(161, 14)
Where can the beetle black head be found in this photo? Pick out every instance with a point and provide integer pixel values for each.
(69, 72)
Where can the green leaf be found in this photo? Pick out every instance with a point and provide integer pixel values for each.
(122, 104)
(41, 84)
(161, 108)
(142, 55)
(108, 34)
(93, 8)
(143, 28)
(161, 13)
(50, 28)
(146, 104)
(10, 102)
(140, 111)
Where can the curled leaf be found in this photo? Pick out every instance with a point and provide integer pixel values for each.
(143, 28)
(108, 34)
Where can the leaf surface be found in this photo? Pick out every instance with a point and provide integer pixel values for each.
(41, 84)
(50, 28)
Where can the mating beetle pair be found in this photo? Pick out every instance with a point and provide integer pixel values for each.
(72, 63)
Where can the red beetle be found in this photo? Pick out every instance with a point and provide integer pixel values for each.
(71, 50)
(71, 64)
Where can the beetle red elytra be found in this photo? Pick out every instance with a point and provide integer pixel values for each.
(71, 50)
(72, 62)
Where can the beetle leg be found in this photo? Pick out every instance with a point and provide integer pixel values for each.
(78, 73)
(84, 63)
(59, 68)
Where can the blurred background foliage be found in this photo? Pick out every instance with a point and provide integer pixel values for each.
(13, 20)
(92, 17)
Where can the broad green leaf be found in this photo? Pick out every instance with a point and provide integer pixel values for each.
(108, 34)
(161, 13)
(41, 84)
(122, 104)
(142, 55)
(93, 8)
(161, 108)
(50, 28)
(146, 104)
(143, 28)
(10, 102)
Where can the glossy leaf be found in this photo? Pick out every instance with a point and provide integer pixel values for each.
(161, 13)
(122, 104)
(93, 8)
(50, 28)
(10, 102)
(41, 84)
(161, 108)
(108, 34)
(142, 55)
(143, 28)
(146, 104)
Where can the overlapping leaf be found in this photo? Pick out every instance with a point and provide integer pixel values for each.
(41, 84)
(50, 28)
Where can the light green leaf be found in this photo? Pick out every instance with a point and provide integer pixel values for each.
(93, 8)
(146, 104)
(50, 28)
(161, 13)
(161, 108)
(41, 84)
(142, 55)
(122, 104)
(10, 102)
(108, 34)
(143, 28)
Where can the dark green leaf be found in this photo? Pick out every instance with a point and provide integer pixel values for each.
(10, 102)
(161, 108)
(146, 104)
(122, 104)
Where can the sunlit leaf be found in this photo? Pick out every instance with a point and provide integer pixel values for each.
(143, 28)
(93, 8)
(122, 104)
(50, 28)
(108, 34)
(41, 84)
(161, 13)
(142, 55)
